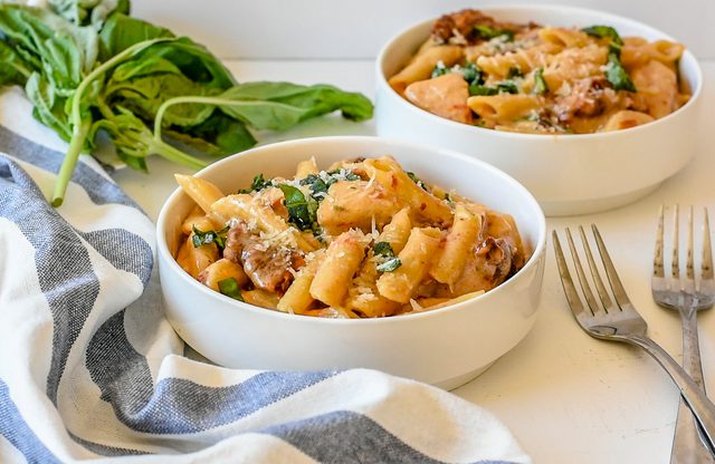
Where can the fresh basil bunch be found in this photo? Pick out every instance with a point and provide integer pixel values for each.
(88, 67)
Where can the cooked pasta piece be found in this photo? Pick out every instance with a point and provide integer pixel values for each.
(625, 119)
(297, 299)
(195, 259)
(415, 258)
(306, 167)
(387, 172)
(342, 260)
(459, 240)
(563, 37)
(504, 108)
(221, 270)
(203, 192)
(444, 96)
(421, 66)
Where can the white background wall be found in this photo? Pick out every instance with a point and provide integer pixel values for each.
(326, 29)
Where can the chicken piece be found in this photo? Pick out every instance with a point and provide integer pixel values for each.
(444, 96)
(488, 265)
(657, 89)
(356, 204)
(266, 264)
(459, 25)
(587, 98)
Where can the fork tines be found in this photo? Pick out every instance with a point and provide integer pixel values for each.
(607, 304)
(675, 281)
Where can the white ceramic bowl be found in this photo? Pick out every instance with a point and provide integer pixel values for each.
(446, 347)
(568, 174)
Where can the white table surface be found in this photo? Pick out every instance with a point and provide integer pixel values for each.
(566, 397)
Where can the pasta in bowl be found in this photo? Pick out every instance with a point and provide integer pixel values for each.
(385, 301)
(541, 79)
(363, 238)
(546, 93)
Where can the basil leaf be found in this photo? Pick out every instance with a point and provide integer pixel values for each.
(514, 71)
(258, 184)
(208, 237)
(280, 105)
(488, 32)
(229, 287)
(417, 181)
(389, 265)
(480, 90)
(383, 249)
(617, 75)
(14, 70)
(472, 74)
(301, 210)
(501, 87)
(540, 85)
(439, 70)
(604, 32)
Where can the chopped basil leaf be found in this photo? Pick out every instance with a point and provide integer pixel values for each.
(389, 265)
(259, 183)
(229, 287)
(383, 249)
(440, 70)
(320, 183)
(514, 71)
(501, 87)
(301, 210)
(617, 75)
(488, 32)
(349, 175)
(604, 32)
(507, 87)
(472, 74)
(482, 90)
(448, 199)
(417, 181)
(201, 238)
(615, 72)
(316, 183)
(540, 85)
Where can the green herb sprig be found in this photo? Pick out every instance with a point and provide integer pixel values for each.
(615, 73)
(389, 262)
(208, 237)
(89, 69)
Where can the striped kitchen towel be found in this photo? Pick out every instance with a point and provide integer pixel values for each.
(90, 370)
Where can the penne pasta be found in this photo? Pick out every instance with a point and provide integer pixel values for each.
(416, 259)
(461, 237)
(363, 239)
(203, 192)
(540, 79)
(342, 260)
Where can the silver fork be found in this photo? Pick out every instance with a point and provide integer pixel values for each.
(619, 321)
(687, 296)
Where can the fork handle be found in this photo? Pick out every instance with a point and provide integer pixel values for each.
(689, 442)
(703, 409)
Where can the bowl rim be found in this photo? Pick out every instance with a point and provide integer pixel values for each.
(164, 254)
(496, 9)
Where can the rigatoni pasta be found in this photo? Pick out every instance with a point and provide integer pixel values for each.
(541, 79)
(364, 238)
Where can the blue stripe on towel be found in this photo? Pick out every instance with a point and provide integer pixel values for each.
(14, 428)
(353, 439)
(63, 266)
(178, 405)
(124, 250)
(99, 189)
